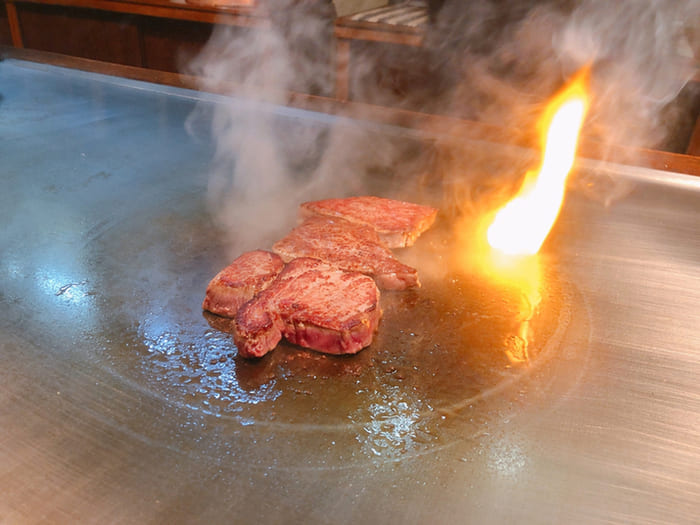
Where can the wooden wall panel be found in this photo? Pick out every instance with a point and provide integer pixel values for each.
(83, 33)
(168, 45)
(5, 37)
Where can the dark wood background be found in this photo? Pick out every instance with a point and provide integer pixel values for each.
(135, 40)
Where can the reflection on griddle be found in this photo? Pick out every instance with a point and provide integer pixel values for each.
(290, 360)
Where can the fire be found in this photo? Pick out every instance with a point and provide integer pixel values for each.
(522, 225)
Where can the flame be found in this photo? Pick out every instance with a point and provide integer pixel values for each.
(522, 225)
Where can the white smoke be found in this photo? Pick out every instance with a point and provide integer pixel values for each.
(492, 61)
(257, 152)
(639, 68)
(641, 55)
(268, 158)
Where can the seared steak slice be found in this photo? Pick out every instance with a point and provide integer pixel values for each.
(350, 246)
(312, 304)
(398, 223)
(240, 281)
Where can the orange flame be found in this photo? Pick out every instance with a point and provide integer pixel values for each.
(522, 225)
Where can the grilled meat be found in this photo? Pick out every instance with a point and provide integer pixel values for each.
(240, 281)
(398, 223)
(312, 304)
(350, 246)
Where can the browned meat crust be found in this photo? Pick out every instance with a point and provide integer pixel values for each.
(312, 304)
(240, 281)
(350, 246)
(398, 223)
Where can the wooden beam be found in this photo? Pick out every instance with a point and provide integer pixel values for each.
(342, 69)
(235, 16)
(405, 38)
(694, 144)
(13, 20)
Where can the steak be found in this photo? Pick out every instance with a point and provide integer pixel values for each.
(312, 304)
(240, 281)
(398, 223)
(350, 246)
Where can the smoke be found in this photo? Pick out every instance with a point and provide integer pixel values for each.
(269, 158)
(259, 158)
(492, 61)
(636, 48)
(501, 66)
(508, 65)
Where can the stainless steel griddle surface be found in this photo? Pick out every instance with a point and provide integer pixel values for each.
(120, 402)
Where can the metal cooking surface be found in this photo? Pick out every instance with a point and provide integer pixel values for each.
(120, 401)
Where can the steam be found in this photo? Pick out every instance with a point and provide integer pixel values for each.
(493, 61)
(269, 158)
(639, 69)
(257, 160)
(509, 65)
(641, 57)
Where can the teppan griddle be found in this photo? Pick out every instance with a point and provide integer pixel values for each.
(122, 402)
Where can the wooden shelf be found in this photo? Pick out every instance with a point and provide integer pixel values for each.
(241, 16)
(155, 34)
